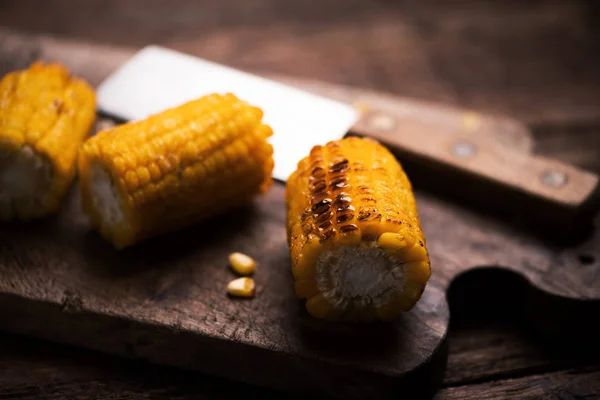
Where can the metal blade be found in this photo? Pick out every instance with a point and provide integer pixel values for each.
(156, 78)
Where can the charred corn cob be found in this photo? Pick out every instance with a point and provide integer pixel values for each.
(45, 115)
(175, 168)
(357, 249)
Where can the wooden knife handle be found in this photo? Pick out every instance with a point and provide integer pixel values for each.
(471, 162)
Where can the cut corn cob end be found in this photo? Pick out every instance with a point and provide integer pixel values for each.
(26, 185)
(358, 252)
(367, 281)
(106, 206)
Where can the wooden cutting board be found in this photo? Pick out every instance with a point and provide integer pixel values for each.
(164, 300)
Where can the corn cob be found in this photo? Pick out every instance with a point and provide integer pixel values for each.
(175, 168)
(45, 115)
(357, 249)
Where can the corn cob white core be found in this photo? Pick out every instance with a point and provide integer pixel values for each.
(359, 276)
(105, 196)
(25, 176)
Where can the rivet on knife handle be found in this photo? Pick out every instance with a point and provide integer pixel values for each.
(536, 186)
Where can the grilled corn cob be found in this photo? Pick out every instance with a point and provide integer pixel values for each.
(175, 168)
(357, 249)
(45, 115)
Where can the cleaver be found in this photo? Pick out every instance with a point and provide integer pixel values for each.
(448, 144)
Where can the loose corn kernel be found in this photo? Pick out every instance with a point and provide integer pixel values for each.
(242, 264)
(241, 287)
(357, 248)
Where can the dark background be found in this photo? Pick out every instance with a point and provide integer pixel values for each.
(538, 61)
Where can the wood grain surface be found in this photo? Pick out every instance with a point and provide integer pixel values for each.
(498, 361)
(417, 50)
(535, 61)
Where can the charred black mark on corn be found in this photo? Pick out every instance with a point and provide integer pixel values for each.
(325, 225)
(344, 216)
(368, 214)
(364, 189)
(341, 199)
(327, 235)
(339, 184)
(323, 217)
(339, 167)
(318, 186)
(344, 207)
(348, 228)
(321, 206)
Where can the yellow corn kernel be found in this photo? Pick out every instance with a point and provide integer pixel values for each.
(242, 264)
(318, 306)
(357, 249)
(241, 287)
(306, 288)
(146, 178)
(45, 114)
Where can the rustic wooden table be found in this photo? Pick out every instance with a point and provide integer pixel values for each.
(537, 61)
